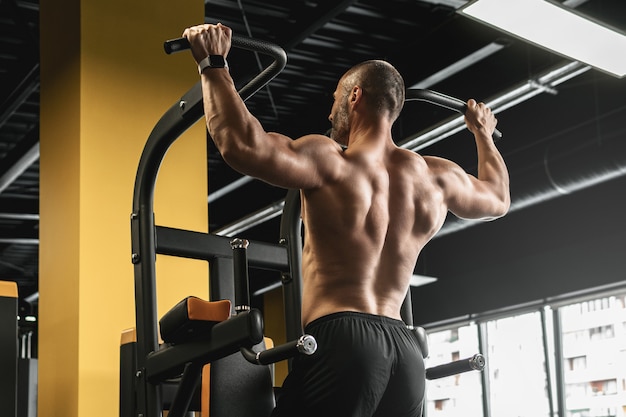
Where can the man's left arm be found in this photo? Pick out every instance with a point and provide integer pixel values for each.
(239, 136)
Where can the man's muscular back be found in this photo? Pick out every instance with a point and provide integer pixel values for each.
(369, 210)
(365, 229)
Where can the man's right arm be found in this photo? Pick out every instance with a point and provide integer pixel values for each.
(486, 196)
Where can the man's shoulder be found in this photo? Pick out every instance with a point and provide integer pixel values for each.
(405, 159)
(436, 162)
(318, 143)
(318, 138)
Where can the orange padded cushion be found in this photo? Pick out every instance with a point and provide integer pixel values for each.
(8, 289)
(192, 319)
(198, 309)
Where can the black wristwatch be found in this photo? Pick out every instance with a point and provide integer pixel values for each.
(212, 61)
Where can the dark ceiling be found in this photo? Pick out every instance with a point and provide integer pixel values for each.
(560, 113)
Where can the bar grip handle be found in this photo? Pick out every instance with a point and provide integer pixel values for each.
(304, 345)
(272, 50)
(237, 41)
(442, 100)
(176, 45)
(474, 363)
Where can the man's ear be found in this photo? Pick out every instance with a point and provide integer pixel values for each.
(356, 94)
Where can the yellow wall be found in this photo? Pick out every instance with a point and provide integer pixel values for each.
(105, 81)
(274, 319)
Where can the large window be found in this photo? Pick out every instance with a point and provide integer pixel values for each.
(517, 366)
(565, 360)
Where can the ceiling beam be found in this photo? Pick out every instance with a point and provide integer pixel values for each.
(27, 86)
(461, 64)
(321, 20)
(19, 159)
(19, 216)
(22, 234)
(19, 241)
(14, 171)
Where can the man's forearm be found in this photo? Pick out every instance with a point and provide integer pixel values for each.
(492, 169)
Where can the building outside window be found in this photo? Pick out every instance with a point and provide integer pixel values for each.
(594, 356)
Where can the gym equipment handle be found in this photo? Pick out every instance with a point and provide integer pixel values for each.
(181, 44)
(475, 363)
(176, 45)
(305, 345)
(240, 270)
(442, 100)
(241, 42)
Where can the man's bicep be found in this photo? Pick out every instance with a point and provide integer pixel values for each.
(473, 199)
(465, 195)
(464, 200)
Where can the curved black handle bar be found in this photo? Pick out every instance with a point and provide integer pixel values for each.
(475, 363)
(181, 44)
(256, 45)
(304, 345)
(442, 100)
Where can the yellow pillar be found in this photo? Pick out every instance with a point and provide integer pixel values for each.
(105, 81)
(274, 313)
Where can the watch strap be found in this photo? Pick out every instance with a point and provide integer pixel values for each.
(212, 61)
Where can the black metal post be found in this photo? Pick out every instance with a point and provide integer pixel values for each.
(290, 236)
(240, 268)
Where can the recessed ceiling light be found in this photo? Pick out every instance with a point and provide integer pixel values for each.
(554, 27)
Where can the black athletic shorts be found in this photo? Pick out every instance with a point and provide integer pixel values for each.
(365, 365)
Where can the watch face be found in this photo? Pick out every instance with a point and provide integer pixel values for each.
(217, 61)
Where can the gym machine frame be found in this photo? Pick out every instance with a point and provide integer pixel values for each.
(141, 390)
(144, 368)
